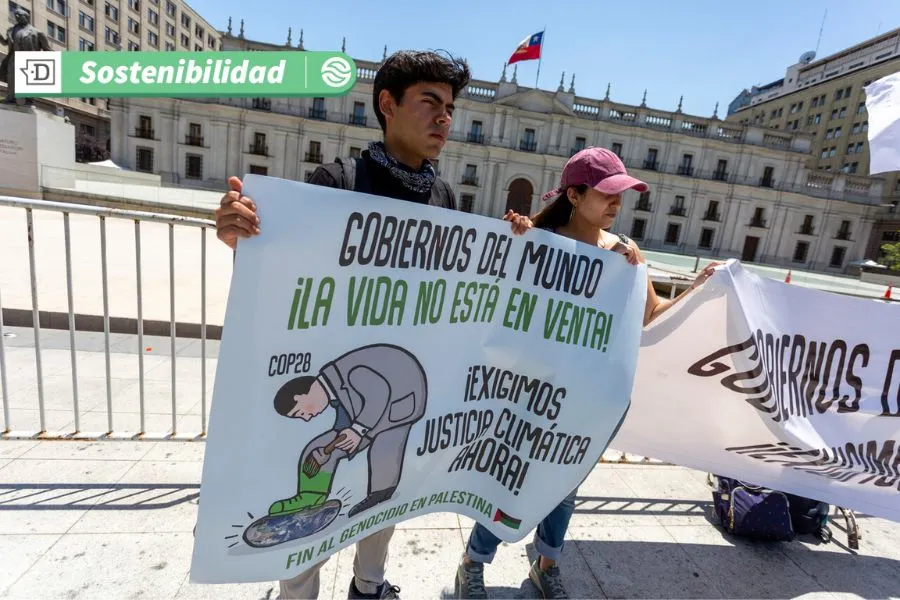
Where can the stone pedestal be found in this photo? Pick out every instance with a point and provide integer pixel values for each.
(37, 149)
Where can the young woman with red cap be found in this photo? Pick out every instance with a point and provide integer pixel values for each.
(586, 204)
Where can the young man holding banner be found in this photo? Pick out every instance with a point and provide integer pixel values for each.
(413, 100)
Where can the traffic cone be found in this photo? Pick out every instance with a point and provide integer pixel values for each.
(887, 293)
(787, 279)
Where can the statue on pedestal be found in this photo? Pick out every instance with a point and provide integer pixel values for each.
(25, 37)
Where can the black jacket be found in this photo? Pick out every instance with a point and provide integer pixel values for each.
(368, 176)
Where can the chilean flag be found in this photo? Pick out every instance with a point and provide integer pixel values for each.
(529, 49)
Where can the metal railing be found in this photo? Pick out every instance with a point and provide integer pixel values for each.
(258, 149)
(103, 214)
(262, 103)
(139, 218)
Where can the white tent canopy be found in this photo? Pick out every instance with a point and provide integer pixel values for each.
(868, 263)
(106, 163)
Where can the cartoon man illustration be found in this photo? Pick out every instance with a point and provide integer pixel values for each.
(378, 392)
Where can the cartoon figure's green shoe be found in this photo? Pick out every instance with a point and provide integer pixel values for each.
(301, 501)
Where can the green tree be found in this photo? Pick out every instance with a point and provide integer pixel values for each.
(891, 255)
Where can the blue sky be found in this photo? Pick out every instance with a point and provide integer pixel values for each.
(705, 50)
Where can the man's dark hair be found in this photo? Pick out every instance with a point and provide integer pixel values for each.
(284, 399)
(407, 67)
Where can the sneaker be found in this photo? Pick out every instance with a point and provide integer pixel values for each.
(302, 501)
(385, 590)
(370, 501)
(470, 580)
(549, 582)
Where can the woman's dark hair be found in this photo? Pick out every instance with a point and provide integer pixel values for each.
(406, 68)
(557, 213)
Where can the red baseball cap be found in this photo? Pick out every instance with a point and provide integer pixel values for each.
(600, 169)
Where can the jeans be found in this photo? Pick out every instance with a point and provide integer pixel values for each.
(368, 568)
(550, 534)
(548, 538)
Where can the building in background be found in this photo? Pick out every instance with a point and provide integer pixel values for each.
(745, 98)
(717, 189)
(825, 98)
(109, 26)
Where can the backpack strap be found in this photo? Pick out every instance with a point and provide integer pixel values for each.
(853, 535)
(348, 173)
(442, 195)
(354, 175)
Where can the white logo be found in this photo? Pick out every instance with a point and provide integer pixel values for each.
(38, 72)
(336, 72)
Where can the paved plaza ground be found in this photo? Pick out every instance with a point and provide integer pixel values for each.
(114, 519)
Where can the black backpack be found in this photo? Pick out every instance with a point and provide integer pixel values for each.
(811, 516)
(801, 515)
(355, 177)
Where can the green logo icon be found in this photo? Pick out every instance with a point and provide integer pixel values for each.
(183, 74)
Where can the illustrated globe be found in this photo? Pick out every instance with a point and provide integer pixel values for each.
(278, 529)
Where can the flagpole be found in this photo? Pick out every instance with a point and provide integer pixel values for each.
(540, 58)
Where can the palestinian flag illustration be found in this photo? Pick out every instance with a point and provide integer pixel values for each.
(507, 520)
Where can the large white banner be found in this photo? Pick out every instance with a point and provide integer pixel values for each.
(382, 360)
(774, 384)
(883, 108)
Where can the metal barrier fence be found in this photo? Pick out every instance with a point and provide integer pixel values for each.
(103, 214)
(139, 218)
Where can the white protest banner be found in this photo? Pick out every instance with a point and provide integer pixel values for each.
(883, 106)
(382, 360)
(778, 385)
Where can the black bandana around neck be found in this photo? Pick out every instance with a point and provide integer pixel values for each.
(419, 181)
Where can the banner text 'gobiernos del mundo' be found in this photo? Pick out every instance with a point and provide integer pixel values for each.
(778, 385)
